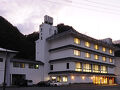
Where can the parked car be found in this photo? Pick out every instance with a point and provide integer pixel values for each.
(55, 83)
(24, 83)
(43, 83)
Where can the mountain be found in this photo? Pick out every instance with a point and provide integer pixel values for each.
(12, 38)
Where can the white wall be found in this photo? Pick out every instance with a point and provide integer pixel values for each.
(117, 69)
(61, 66)
(31, 74)
(62, 41)
(2, 68)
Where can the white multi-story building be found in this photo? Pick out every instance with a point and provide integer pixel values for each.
(72, 57)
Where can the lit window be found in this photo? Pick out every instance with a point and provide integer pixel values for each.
(96, 47)
(104, 49)
(110, 51)
(96, 68)
(59, 79)
(33, 66)
(77, 52)
(53, 77)
(86, 67)
(19, 65)
(83, 77)
(87, 55)
(72, 77)
(78, 66)
(103, 69)
(22, 65)
(104, 58)
(65, 79)
(96, 57)
(87, 44)
(76, 41)
(110, 60)
(36, 66)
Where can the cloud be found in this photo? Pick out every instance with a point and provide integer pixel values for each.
(28, 14)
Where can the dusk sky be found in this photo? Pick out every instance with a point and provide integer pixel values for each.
(96, 18)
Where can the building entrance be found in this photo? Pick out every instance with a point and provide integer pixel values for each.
(17, 78)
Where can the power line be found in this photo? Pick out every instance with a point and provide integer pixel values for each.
(100, 3)
(96, 6)
(76, 6)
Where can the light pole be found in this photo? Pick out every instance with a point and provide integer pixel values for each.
(4, 82)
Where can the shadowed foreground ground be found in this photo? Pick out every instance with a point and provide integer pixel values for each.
(71, 87)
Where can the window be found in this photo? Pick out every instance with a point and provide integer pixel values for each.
(110, 60)
(34, 66)
(76, 40)
(41, 38)
(104, 49)
(78, 66)
(96, 68)
(41, 29)
(110, 51)
(96, 57)
(86, 67)
(19, 65)
(55, 32)
(104, 58)
(1, 59)
(67, 66)
(96, 47)
(22, 65)
(31, 65)
(87, 44)
(15, 64)
(87, 55)
(103, 69)
(65, 78)
(77, 52)
(51, 67)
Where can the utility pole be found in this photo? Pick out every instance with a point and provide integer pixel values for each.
(4, 83)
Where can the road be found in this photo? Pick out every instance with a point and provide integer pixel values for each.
(67, 88)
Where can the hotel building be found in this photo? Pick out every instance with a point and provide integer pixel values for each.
(72, 57)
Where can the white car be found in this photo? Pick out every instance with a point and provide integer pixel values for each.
(55, 83)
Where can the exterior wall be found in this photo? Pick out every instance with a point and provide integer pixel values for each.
(78, 79)
(42, 46)
(117, 69)
(62, 41)
(111, 70)
(36, 75)
(70, 53)
(61, 66)
(61, 54)
(2, 68)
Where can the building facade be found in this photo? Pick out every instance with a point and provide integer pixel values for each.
(18, 69)
(72, 57)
